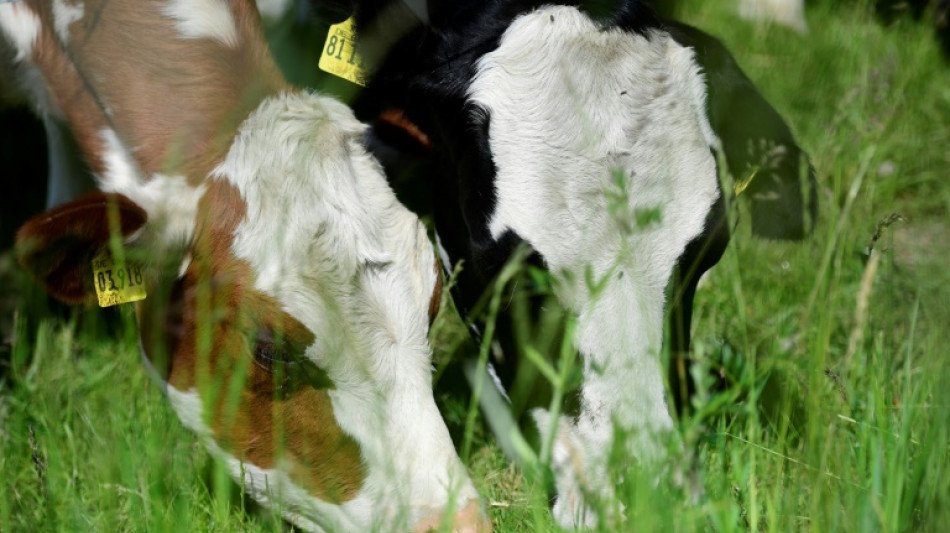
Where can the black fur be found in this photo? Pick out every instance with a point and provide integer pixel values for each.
(425, 69)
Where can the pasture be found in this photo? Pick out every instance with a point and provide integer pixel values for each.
(835, 349)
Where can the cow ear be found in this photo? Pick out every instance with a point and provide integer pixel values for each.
(57, 247)
(758, 145)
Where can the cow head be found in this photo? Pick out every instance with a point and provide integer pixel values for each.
(289, 292)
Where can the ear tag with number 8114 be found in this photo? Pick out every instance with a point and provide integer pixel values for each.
(117, 282)
(340, 57)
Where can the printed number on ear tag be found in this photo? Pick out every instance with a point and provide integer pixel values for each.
(340, 57)
(116, 282)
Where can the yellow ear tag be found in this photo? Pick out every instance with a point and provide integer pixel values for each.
(117, 282)
(340, 57)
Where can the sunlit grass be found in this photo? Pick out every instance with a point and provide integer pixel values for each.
(838, 419)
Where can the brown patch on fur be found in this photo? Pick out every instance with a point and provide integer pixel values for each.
(57, 246)
(177, 101)
(176, 104)
(209, 329)
(68, 90)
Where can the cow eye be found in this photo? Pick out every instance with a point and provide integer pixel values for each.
(283, 360)
(270, 350)
(266, 353)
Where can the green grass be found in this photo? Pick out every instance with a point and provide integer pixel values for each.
(839, 417)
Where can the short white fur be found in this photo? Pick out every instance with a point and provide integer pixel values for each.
(170, 201)
(572, 108)
(65, 14)
(21, 26)
(198, 19)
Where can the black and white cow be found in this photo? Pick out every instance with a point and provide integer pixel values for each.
(539, 114)
(540, 111)
(758, 147)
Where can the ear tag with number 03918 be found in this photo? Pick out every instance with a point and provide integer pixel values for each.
(340, 57)
(116, 282)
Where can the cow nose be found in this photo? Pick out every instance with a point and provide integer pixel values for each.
(467, 520)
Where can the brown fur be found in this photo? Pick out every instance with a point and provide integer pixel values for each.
(252, 416)
(67, 89)
(177, 103)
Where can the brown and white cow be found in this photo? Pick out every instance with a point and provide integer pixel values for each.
(289, 292)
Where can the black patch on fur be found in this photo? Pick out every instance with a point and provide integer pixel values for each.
(428, 70)
(700, 255)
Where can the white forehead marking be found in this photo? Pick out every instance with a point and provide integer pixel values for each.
(312, 193)
(21, 26)
(589, 127)
(569, 106)
(324, 233)
(65, 14)
(171, 203)
(197, 19)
